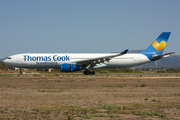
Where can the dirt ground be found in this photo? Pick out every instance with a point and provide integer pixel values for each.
(89, 97)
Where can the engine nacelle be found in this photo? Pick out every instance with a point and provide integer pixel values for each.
(70, 68)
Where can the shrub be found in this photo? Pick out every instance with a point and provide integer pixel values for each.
(143, 85)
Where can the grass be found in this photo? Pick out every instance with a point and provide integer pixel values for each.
(1, 111)
(48, 111)
(146, 99)
(73, 111)
(80, 97)
(70, 117)
(121, 86)
(52, 90)
(166, 118)
(7, 115)
(136, 109)
(143, 85)
(6, 75)
(109, 107)
(37, 74)
(50, 107)
(98, 115)
(112, 110)
(154, 100)
(152, 113)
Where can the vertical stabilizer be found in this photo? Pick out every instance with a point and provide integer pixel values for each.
(158, 46)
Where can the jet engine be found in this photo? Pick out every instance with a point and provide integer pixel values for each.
(70, 68)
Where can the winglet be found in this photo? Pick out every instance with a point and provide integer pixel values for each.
(124, 52)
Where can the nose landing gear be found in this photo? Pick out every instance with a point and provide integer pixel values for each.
(20, 72)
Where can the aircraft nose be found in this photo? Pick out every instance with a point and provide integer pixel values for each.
(4, 61)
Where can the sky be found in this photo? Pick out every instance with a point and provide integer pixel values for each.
(86, 26)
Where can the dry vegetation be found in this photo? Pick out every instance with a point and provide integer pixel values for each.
(89, 97)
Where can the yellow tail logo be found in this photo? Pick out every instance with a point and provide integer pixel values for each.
(159, 46)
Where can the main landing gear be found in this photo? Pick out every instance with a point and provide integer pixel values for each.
(88, 72)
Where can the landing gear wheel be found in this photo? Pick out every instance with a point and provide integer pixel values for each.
(87, 72)
(92, 73)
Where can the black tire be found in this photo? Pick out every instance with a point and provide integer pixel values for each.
(92, 73)
(87, 72)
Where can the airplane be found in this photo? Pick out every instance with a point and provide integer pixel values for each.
(71, 62)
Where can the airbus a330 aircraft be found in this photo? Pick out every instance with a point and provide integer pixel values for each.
(71, 62)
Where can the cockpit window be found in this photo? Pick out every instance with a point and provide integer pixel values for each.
(7, 58)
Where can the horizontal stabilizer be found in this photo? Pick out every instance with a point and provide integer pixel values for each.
(157, 57)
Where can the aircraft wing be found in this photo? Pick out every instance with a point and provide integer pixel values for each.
(99, 60)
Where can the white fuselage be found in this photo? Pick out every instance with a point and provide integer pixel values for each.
(54, 60)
